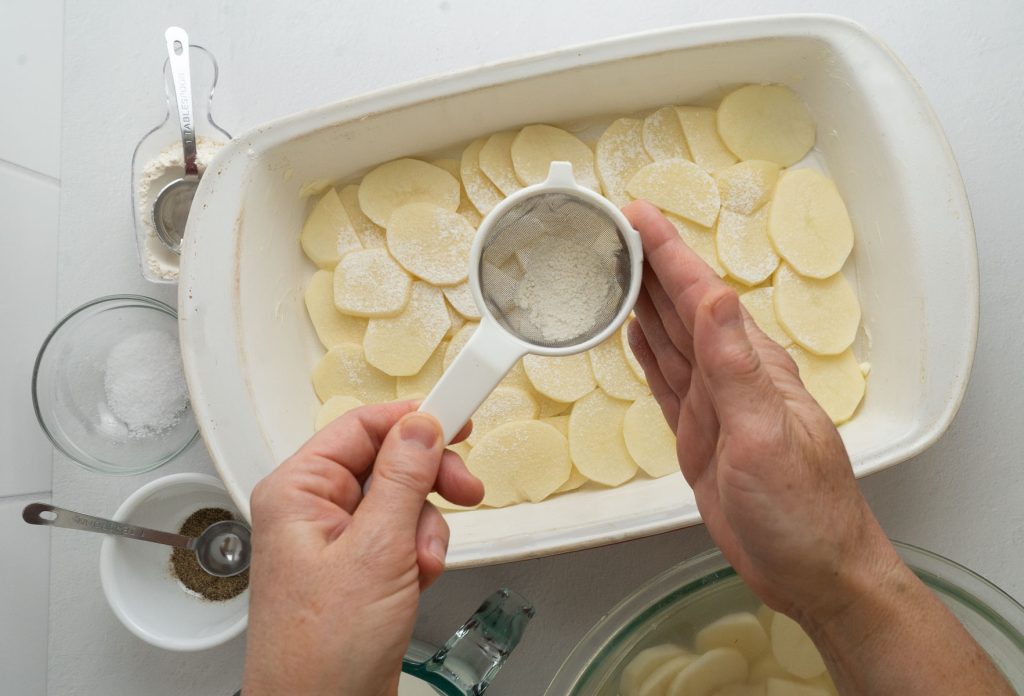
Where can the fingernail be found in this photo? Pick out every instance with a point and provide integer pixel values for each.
(438, 548)
(726, 310)
(419, 429)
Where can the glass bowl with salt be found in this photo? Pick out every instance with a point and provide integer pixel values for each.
(109, 388)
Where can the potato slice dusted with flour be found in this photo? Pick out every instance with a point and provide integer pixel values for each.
(563, 378)
(331, 326)
(746, 186)
(809, 225)
(480, 190)
(431, 242)
(835, 381)
(619, 155)
(461, 298)
(760, 304)
(655, 683)
(369, 283)
(537, 146)
(401, 182)
(344, 370)
(663, 135)
(649, 440)
(503, 405)
(794, 649)
(643, 663)
(335, 407)
(700, 239)
(709, 672)
(496, 162)
(678, 186)
(820, 315)
(520, 461)
(613, 373)
(701, 131)
(370, 234)
(328, 234)
(741, 631)
(743, 246)
(766, 122)
(596, 442)
(401, 345)
(417, 386)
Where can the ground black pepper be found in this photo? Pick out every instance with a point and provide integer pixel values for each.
(185, 567)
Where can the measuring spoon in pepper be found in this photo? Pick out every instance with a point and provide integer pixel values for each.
(223, 549)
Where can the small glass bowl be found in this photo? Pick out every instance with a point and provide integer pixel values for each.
(69, 392)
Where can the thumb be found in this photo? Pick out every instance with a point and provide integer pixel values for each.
(741, 388)
(404, 472)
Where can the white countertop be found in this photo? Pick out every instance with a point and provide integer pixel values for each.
(964, 498)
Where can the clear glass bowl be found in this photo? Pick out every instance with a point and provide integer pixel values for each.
(674, 605)
(69, 392)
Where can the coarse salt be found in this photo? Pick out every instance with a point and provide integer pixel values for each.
(145, 383)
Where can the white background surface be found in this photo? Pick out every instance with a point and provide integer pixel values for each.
(964, 498)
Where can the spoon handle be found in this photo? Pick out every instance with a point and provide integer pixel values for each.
(46, 514)
(181, 72)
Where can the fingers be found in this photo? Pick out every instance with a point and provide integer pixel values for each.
(432, 536)
(674, 366)
(681, 337)
(666, 397)
(454, 482)
(354, 439)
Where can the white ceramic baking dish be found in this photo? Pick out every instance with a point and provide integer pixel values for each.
(249, 347)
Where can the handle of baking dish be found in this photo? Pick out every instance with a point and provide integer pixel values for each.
(469, 660)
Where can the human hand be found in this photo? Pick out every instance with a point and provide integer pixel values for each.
(336, 575)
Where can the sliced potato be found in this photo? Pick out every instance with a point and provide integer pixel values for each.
(760, 304)
(343, 370)
(461, 298)
(401, 182)
(444, 505)
(503, 405)
(519, 461)
(335, 407)
(663, 135)
(788, 687)
(809, 225)
(480, 190)
(754, 689)
(627, 350)
(825, 683)
(764, 667)
(700, 239)
(794, 649)
(496, 162)
(746, 186)
(619, 155)
(458, 342)
(560, 423)
(595, 439)
(401, 345)
(709, 672)
(457, 321)
(649, 440)
(764, 615)
(564, 378)
(743, 246)
(328, 234)
(820, 315)
(643, 663)
(655, 683)
(766, 122)
(370, 234)
(701, 131)
(417, 386)
(537, 146)
(548, 407)
(431, 242)
(331, 326)
(740, 631)
(678, 186)
(613, 373)
(452, 166)
(369, 283)
(835, 381)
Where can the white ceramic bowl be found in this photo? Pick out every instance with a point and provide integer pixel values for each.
(249, 347)
(137, 578)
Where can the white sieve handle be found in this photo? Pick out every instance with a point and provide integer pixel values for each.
(487, 357)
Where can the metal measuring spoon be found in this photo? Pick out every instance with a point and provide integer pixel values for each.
(170, 210)
(223, 549)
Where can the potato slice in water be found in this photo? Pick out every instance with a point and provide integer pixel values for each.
(519, 461)
(649, 440)
(743, 246)
(760, 304)
(678, 186)
(431, 242)
(764, 667)
(631, 360)
(820, 315)
(794, 649)
(328, 234)
(503, 405)
(643, 663)
(663, 135)
(563, 378)
(344, 370)
(595, 439)
(461, 298)
(496, 162)
(613, 373)
(835, 381)
(335, 407)
(370, 234)
(331, 326)
(741, 631)
(618, 156)
(709, 672)
(764, 615)
(808, 223)
(700, 239)
(458, 342)
(746, 186)
(787, 687)
(417, 386)
(480, 190)
(369, 283)
(741, 690)
(766, 122)
(401, 182)
(401, 345)
(655, 683)
(701, 131)
(537, 146)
